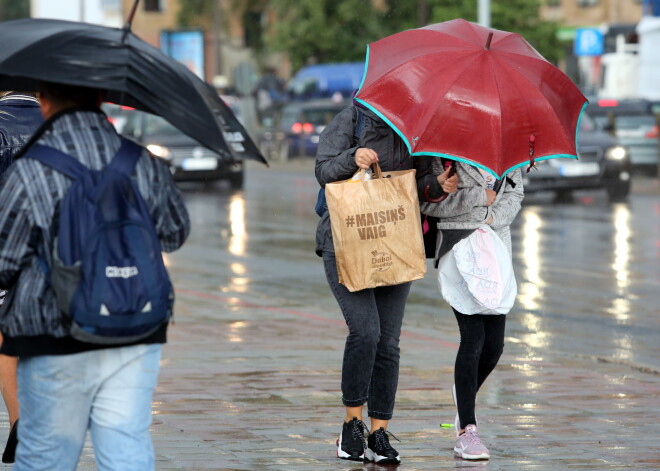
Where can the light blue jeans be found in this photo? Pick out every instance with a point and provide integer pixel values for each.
(107, 391)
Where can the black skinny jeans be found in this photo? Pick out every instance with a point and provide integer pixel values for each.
(370, 370)
(482, 343)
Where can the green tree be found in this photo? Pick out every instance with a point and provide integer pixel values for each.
(517, 16)
(339, 30)
(324, 30)
(194, 12)
(14, 9)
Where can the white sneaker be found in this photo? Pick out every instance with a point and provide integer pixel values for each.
(457, 420)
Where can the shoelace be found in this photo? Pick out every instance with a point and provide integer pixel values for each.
(473, 437)
(382, 440)
(359, 430)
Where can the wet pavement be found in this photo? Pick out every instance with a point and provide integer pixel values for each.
(250, 376)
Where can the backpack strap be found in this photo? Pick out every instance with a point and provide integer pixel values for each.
(57, 160)
(124, 160)
(126, 157)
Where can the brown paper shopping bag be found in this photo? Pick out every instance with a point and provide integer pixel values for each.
(376, 230)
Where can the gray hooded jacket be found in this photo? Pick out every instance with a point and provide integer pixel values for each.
(466, 208)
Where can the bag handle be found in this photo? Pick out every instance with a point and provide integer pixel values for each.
(375, 167)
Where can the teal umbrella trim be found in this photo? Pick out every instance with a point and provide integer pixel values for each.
(364, 73)
(577, 129)
(454, 157)
(464, 160)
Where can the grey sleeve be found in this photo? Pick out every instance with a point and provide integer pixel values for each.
(335, 157)
(508, 203)
(468, 198)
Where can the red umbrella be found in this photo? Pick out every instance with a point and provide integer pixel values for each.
(474, 94)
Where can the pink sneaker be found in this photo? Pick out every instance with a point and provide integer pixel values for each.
(469, 445)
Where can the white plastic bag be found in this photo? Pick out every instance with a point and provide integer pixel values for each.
(363, 176)
(476, 276)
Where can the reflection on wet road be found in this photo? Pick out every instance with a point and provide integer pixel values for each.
(250, 378)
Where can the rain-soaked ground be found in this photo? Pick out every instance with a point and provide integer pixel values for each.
(250, 376)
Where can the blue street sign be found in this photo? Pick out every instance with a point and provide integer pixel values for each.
(651, 8)
(588, 42)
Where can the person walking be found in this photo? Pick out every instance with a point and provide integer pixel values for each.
(67, 386)
(20, 117)
(479, 199)
(356, 139)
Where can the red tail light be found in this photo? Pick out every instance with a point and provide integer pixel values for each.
(296, 128)
(308, 128)
(608, 102)
(653, 132)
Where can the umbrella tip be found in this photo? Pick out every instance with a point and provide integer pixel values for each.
(129, 20)
(490, 38)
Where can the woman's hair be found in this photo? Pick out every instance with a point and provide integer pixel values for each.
(4, 93)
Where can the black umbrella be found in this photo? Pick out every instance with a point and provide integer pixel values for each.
(135, 74)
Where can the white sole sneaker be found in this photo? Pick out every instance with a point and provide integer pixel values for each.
(376, 458)
(345, 456)
(460, 453)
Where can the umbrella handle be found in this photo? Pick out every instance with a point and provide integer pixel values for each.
(428, 198)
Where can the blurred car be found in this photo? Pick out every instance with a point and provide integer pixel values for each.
(116, 115)
(655, 107)
(634, 124)
(300, 125)
(603, 163)
(188, 160)
(326, 80)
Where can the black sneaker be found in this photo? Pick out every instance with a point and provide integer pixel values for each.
(351, 443)
(379, 449)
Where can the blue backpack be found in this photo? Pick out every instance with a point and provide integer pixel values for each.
(108, 273)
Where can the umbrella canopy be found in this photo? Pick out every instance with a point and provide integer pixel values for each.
(473, 94)
(135, 74)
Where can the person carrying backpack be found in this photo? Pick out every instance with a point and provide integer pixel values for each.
(20, 117)
(89, 299)
(355, 139)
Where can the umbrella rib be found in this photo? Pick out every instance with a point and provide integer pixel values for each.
(535, 89)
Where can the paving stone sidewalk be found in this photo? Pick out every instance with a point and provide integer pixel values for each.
(249, 382)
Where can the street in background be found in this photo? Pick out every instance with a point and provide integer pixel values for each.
(634, 123)
(299, 127)
(603, 163)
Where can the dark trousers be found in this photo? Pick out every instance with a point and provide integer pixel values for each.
(370, 371)
(482, 343)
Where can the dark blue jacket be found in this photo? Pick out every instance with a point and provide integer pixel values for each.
(20, 117)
